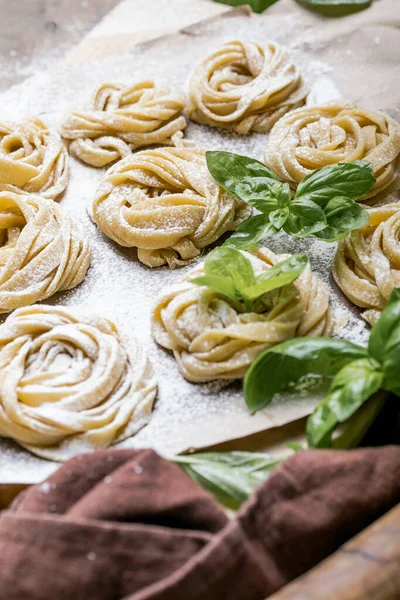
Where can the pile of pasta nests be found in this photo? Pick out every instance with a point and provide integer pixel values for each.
(67, 376)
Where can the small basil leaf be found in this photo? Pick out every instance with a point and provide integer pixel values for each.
(305, 217)
(250, 232)
(335, 8)
(234, 172)
(262, 193)
(384, 342)
(353, 385)
(281, 274)
(350, 180)
(279, 217)
(342, 216)
(230, 476)
(221, 285)
(258, 6)
(274, 370)
(350, 433)
(229, 263)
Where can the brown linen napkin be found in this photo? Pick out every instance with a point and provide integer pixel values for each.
(127, 524)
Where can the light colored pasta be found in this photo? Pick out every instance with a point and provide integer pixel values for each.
(68, 383)
(165, 203)
(121, 118)
(33, 158)
(211, 340)
(313, 137)
(245, 86)
(42, 250)
(367, 262)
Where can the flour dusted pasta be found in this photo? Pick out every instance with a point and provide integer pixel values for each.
(367, 262)
(165, 203)
(211, 340)
(42, 250)
(245, 86)
(121, 118)
(312, 137)
(33, 158)
(69, 383)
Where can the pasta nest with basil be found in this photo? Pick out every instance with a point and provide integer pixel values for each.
(245, 86)
(68, 383)
(42, 250)
(367, 262)
(211, 340)
(165, 203)
(121, 118)
(33, 158)
(313, 137)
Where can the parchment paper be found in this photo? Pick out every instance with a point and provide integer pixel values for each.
(355, 58)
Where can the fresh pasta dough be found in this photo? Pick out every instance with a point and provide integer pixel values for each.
(245, 86)
(367, 262)
(42, 250)
(68, 383)
(121, 118)
(313, 137)
(33, 158)
(165, 203)
(210, 340)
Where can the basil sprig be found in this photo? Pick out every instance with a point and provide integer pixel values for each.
(229, 273)
(230, 476)
(357, 373)
(324, 205)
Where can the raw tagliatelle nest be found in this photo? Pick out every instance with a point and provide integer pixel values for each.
(42, 250)
(367, 262)
(68, 381)
(121, 118)
(211, 340)
(165, 203)
(245, 86)
(313, 137)
(33, 158)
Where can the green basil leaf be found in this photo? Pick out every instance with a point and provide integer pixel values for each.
(350, 180)
(230, 476)
(281, 274)
(350, 433)
(250, 232)
(335, 8)
(384, 342)
(221, 285)
(274, 370)
(353, 385)
(229, 263)
(279, 217)
(258, 6)
(237, 174)
(305, 217)
(342, 216)
(264, 194)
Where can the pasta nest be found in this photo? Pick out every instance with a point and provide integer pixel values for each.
(165, 203)
(367, 262)
(245, 86)
(68, 383)
(33, 158)
(211, 340)
(42, 250)
(313, 137)
(121, 118)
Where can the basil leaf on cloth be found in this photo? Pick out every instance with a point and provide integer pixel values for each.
(335, 8)
(230, 476)
(351, 180)
(353, 385)
(279, 367)
(342, 216)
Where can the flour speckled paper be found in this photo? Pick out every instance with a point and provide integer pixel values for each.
(340, 59)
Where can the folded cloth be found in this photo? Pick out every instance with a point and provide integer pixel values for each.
(127, 524)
